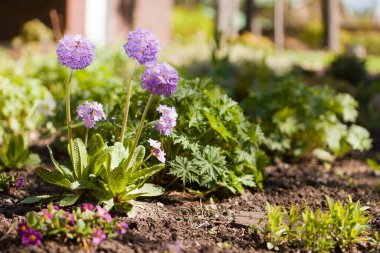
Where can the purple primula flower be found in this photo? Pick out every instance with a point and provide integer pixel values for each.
(142, 46)
(167, 121)
(55, 208)
(31, 237)
(157, 151)
(18, 183)
(91, 112)
(122, 227)
(87, 206)
(160, 78)
(46, 215)
(103, 213)
(22, 228)
(98, 236)
(75, 52)
(70, 217)
(173, 248)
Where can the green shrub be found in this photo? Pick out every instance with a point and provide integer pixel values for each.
(349, 67)
(300, 121)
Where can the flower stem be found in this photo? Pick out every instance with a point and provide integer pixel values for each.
(68, 112)
(86, 137)
(141, 126)
(127, 102)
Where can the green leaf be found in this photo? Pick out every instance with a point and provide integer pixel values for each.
(79, 157)
(358, 137)
(53, 177)
(36, 199)
(185, 170)
(218, 126)
(31, 219)
(96, 161)
(83, 185)
(69, 199)
(149, 190)
(96, 144)
(61, 169)
(118, 154)
(117, 180)
(144, 174)
(32, 159)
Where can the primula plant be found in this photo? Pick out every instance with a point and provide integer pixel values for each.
(114, 174)
(10, 183)
(88, 225)
(208, 142)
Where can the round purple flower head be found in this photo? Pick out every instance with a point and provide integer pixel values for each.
(75, 52)
(160, 78)
(142, 46)
(91, 112)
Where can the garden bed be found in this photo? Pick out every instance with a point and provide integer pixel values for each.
(213, 223)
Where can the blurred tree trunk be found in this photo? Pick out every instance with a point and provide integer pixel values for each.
(250, 12)
(225, 14)
(331, 23)
(279, 24)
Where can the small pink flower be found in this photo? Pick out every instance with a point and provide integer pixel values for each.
(87, 206)
(103, 213)
(122, 227)
(70, 217)
(98, 236)
(46, 215)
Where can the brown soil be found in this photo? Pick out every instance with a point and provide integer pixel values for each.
(217, 224)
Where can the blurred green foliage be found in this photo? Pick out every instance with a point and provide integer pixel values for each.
(300, 121)
(193, 25)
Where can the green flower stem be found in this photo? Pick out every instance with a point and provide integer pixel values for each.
(127, 103)
(68, 112)
(86, 137)
(141, 126)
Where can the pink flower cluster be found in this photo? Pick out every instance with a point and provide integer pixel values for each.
(168, 119)
(157, 151)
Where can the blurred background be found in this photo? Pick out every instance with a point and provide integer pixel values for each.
(242, 45)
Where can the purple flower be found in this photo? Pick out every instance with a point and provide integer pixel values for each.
(87, 206)
(22, 228)
(31, 238)
(160, 78)
(176, 248)
(103, 213)
(98, 236)
(18, 183)
(122, 227)
(46, 215)
(70, 217)
(75, 52)
(142, 46)
(157, 151)
(91, 112)
(55, 208)
(168, 119)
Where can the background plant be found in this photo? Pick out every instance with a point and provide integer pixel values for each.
(299, 120)
(341, 226)
(25, 105)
